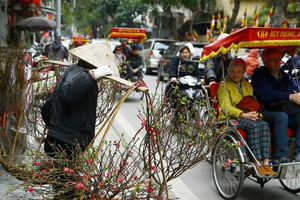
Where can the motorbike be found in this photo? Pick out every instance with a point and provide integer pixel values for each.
(187, 97)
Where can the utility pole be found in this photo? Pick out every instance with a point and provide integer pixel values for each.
(58, 18)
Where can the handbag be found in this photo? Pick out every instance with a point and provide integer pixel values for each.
(249, 103)
(287, 106)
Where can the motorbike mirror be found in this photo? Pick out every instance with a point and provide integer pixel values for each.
(196, 57)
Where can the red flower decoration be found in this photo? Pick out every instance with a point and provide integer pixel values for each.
(79, 185)
(153, 168)
(30, 189)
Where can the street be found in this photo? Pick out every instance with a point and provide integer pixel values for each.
(196, 183)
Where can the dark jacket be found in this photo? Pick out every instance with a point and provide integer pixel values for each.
(70, 112)
(126, 50)
(181, 67)
(213, 68)
(268, 89)
(134, 61)
(56, 51)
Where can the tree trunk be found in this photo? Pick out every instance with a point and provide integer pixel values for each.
(279, 11)
(171, 25)
(233, 17)
(195, 13)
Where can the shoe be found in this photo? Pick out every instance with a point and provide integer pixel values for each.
(270, 170)
(297, 159)
(262, 171)
(283, 159)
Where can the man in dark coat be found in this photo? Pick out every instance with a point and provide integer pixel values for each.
(126, 48)
(56, 51)
(135, 64)
(70, 113)
(213, 70)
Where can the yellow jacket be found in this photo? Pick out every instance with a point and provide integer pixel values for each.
(233, 97)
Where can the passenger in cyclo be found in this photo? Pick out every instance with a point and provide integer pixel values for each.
(121, 62)
(135, 64)
(213, 70)
(271, 85)
(258, 135)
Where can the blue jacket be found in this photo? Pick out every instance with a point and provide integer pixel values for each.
(268, 89)
(70, 112)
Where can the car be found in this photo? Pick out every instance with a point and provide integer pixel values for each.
(112, 43)
(150, 52)
(164, 63)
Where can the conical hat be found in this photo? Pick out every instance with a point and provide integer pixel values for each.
(97, 54)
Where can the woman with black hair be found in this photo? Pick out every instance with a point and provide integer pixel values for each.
(183, 65)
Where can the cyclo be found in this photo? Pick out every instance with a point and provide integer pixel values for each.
(231, 166)
(135, 34)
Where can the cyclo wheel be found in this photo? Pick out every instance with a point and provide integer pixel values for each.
(291, 185)
(228, 174)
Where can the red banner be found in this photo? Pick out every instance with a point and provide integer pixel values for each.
(255, 37)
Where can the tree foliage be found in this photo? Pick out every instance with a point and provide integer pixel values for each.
(167, 6)
(128, 11)
(92, 15)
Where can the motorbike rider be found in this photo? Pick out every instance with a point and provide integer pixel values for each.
(183, 64)
(182, 67)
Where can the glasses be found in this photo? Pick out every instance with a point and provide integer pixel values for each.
(118, 49)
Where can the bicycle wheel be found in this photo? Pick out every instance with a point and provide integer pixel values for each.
(228, 172)
(291, 185)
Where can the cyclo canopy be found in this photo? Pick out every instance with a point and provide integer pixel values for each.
(286, 39)
(130, 33)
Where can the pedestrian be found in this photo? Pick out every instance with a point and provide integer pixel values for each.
(272, 85)
(56, 51)
(70, 113)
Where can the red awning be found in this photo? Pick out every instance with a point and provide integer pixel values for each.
(32, 1)
(286, 38)
(130, 33)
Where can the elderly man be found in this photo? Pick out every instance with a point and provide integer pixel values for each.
(270, 85)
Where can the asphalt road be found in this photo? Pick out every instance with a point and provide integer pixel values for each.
(196, 183)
